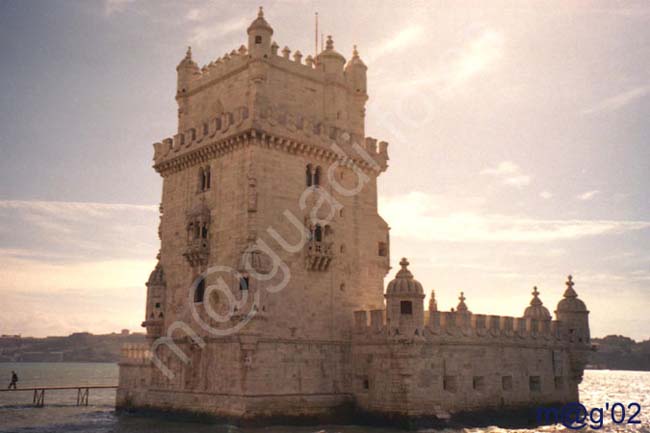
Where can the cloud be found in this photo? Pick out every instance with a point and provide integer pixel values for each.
(477, 56)
(116, 6)
(426, 220)
(194, 14)
(588, 195)
(508, 173)
(397, 42)
(619, 101)
(546, 195)
(50, 230)
(67, 266)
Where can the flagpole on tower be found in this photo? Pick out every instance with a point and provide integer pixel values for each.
(316, 37)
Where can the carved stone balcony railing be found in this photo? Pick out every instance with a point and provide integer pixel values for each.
(319, 255)
(135, 354)
(197, 252)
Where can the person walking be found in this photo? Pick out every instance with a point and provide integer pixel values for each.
(14, 380)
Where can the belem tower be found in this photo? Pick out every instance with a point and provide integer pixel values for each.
(268, 298)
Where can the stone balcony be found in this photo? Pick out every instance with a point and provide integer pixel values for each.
(319, 255)
(154, 327)
(197, 252)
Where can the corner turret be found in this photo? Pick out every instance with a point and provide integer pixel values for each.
(355, 73)
(331, 60)
(259, 37)
(404, 304)
(186, 70)
(573, 313)
(155, 317)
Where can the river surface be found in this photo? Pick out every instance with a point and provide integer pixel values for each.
(60, 415)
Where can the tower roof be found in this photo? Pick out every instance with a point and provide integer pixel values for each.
(404, 283)
(188, 61)
(260, 23)
(356, 60)
(329, 53)
(536, 310)
(571, 303)
(157, 276)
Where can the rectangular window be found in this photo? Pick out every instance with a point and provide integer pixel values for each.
(478, 383)
(382, 249)
(450, 384)
(365, 383)
(535, 383)
(406, 307)
(506, 383)
(243, 283)
(258, 40)
(559, 382)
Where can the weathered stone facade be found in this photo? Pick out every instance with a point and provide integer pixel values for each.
(268, 297)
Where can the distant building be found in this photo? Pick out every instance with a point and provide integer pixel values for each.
(124, 332)
(257, 128)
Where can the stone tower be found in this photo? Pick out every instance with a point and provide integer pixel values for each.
(271, 150)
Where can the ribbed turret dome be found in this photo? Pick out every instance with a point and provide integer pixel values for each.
(260, 23)
(356, 61)
(329, 53)
(537, 310)
(571, 303)
(157, 276)
(404, 283)
(187, 62)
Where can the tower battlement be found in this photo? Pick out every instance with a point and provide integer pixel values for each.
(372, 325)
(286, 130)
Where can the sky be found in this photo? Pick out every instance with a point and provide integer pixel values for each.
(518, 148)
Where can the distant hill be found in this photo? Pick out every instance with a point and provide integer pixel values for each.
(77, 347)
(616, 352)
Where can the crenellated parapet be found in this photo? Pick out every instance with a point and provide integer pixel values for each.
(453, 326)
(214, 71)
(304, 134)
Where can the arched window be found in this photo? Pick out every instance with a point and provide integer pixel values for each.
(204, 231)
(406, 307)
(199, 293)
(201, 179)
(243, 283)
(318, 233)
(204, 178)
(308, 178)
(317, 176)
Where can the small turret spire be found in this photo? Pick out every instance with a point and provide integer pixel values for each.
(433, 305)
(462, 307)
(329, 45)
(535, 301)
(569, 292)
(260, 12)
(355, 52)
(188, 53)
(536, 310)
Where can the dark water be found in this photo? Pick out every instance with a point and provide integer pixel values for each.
(60, 415)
